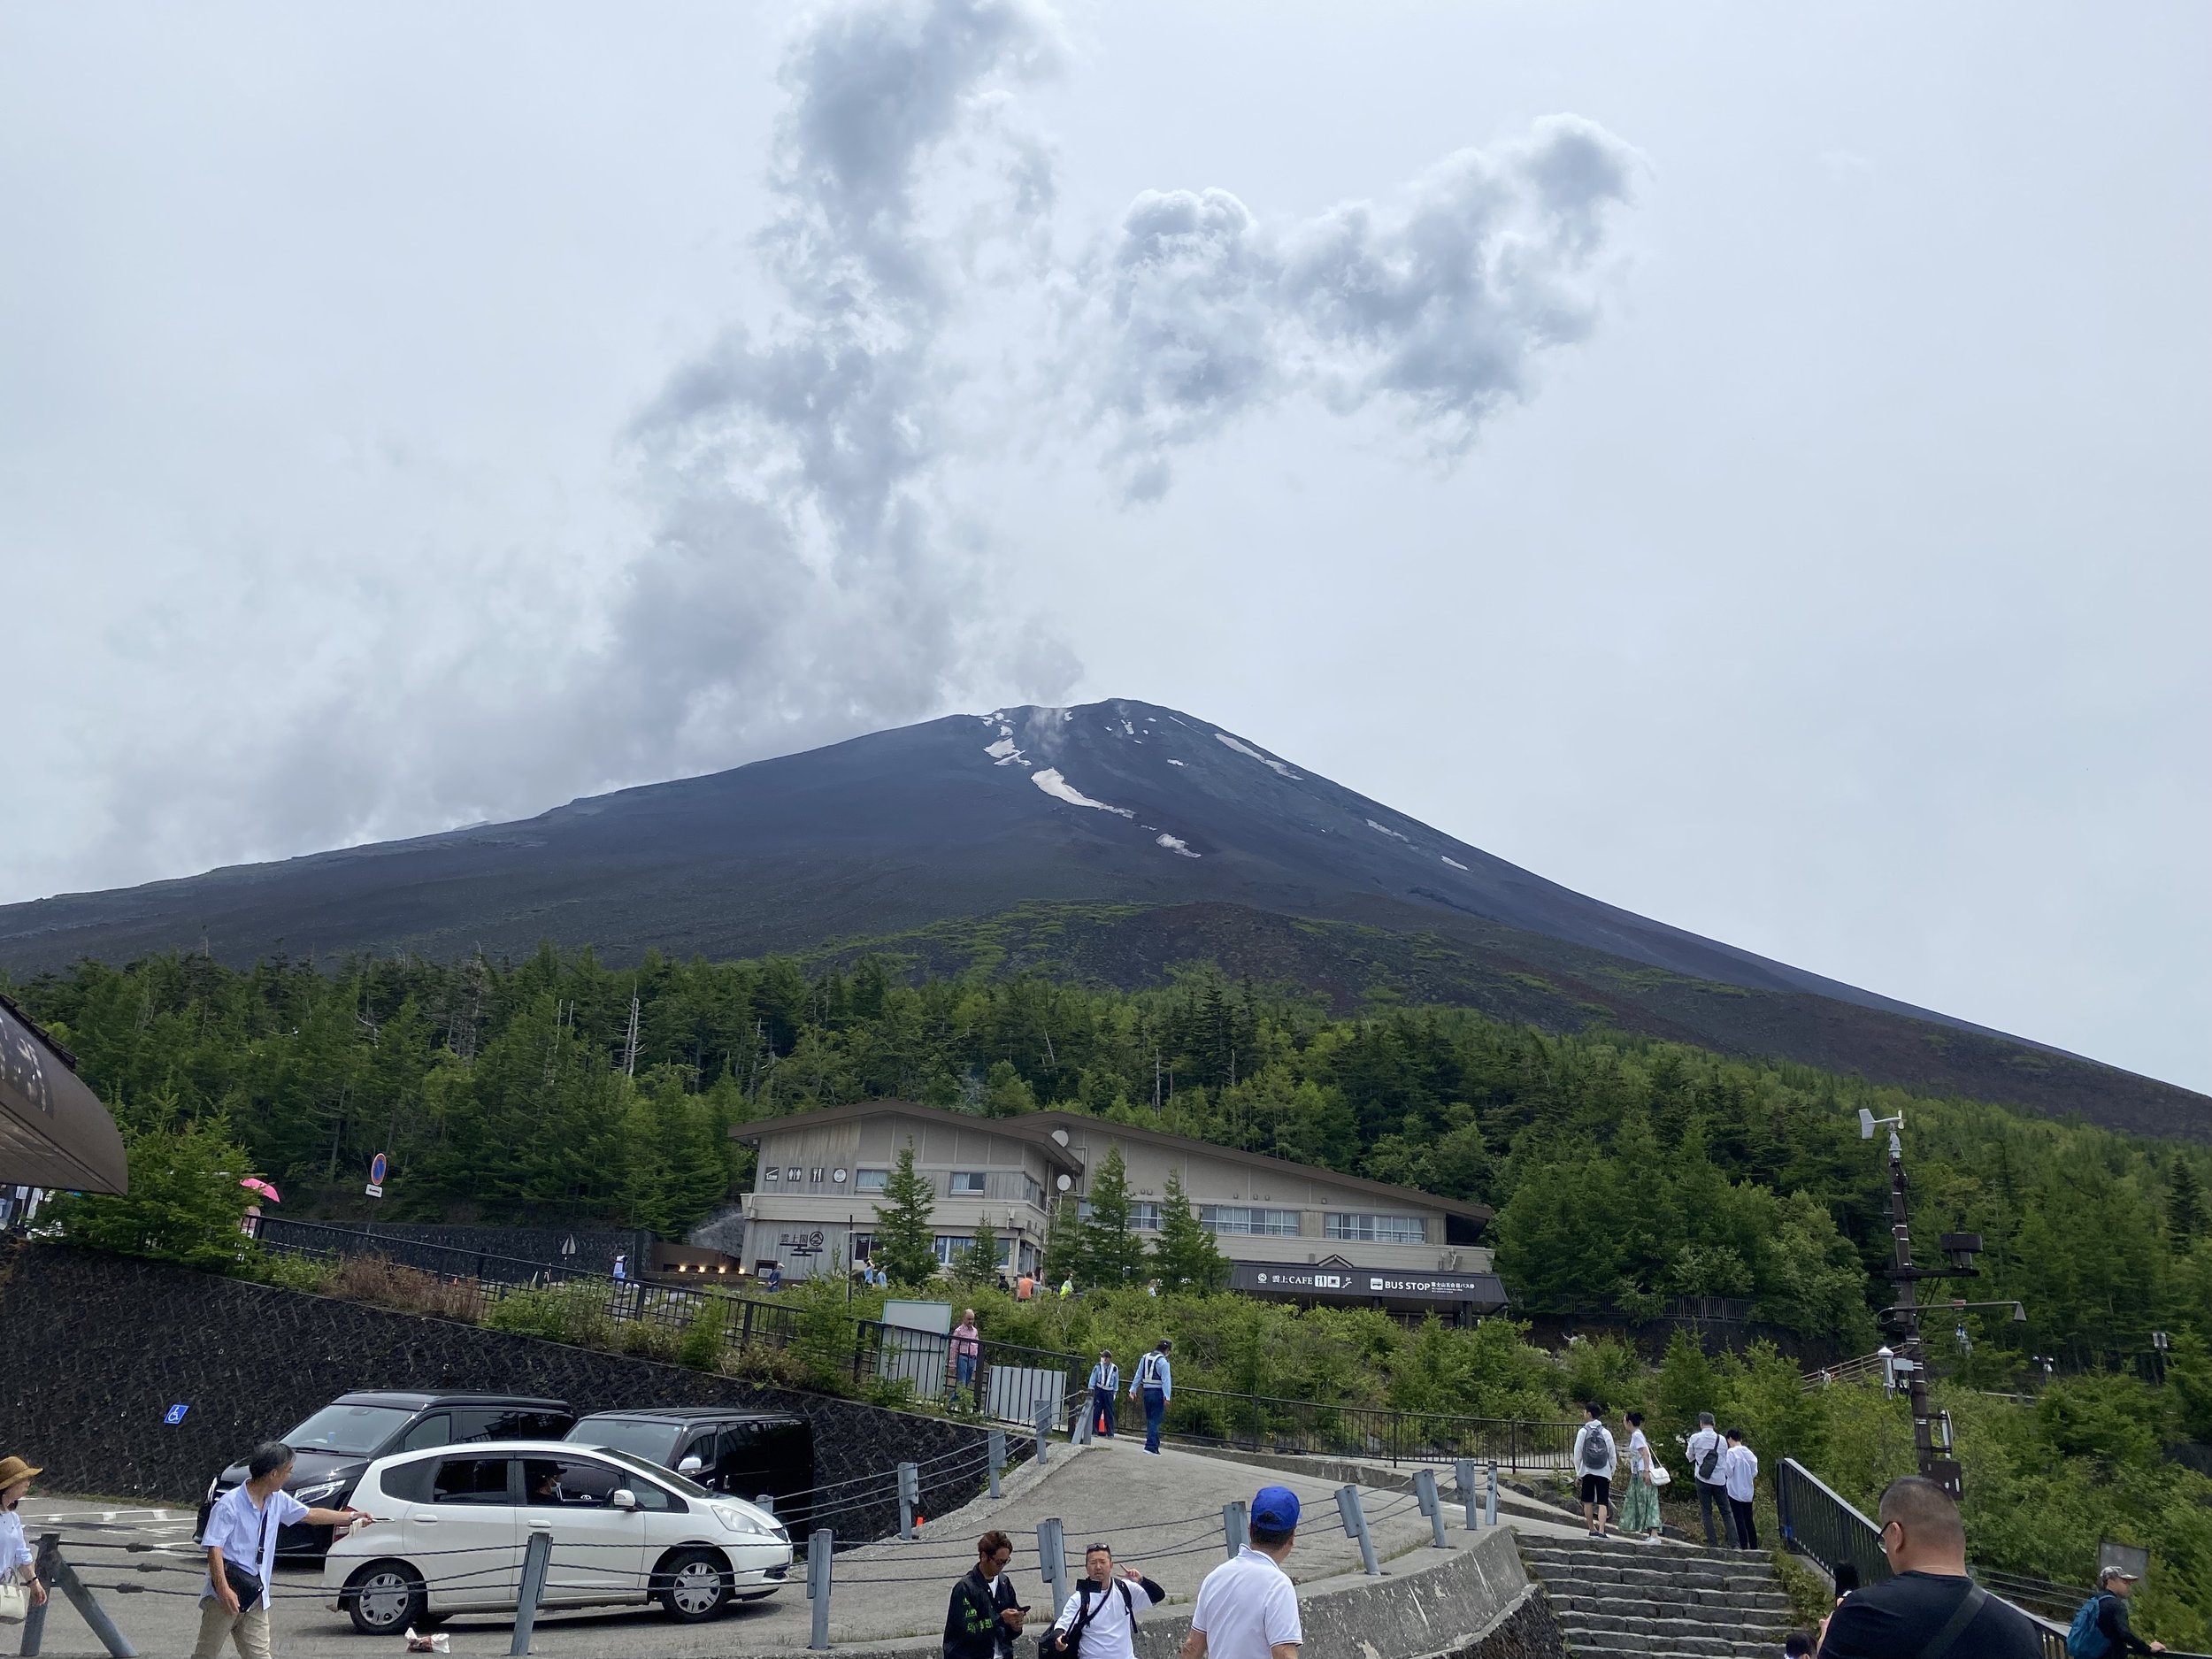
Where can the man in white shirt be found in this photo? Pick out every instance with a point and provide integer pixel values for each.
(240, 1541)
(1712, 1490)
(1740, 1467)
(1246, 1608)
(1103, 1612)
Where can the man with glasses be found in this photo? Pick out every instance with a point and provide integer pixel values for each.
(985, 1615)
(1930, 1609)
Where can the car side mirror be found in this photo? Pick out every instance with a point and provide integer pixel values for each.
(689, 1466)
(623, 1499)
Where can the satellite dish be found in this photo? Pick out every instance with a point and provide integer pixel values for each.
(1866, 1125)
(1061, 1135)
(1064, 1183)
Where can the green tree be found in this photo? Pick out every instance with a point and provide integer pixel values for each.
(1064, 1242)
(184, 1203)
(905, 1248)
(1110, 1254)
(2184, 1204)
(1186, 1257)
(977, 1265)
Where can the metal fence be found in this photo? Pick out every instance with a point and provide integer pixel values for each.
(1263, 1422)
(999, 1381)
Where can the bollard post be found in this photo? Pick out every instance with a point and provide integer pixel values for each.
(1432, 1505)
(34, 1621)
(821, 1548)
(1052, 1561)
(60, 1575)
(1044, 1430)
(1233, 1527)
(1463, 1472)
(1355, 1518)
(909, 1495)
(535, 1557)
(995, 1447)
(1490, 1499)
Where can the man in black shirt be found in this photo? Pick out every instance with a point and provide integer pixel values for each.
(1930, 1609)
(984, 1615)
(2114, 1585)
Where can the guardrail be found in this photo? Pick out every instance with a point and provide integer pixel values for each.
(1258, 1423)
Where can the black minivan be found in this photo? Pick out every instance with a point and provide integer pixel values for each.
(334, 1447)
(749, 1455)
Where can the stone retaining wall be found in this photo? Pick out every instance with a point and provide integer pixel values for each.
(98, 1348)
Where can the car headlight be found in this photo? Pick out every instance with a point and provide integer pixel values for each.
(314, 1494)
(738, 1521)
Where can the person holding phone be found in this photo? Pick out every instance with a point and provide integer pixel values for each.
(985, 1615)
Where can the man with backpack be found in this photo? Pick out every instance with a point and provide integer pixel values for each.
(1594, 1456)
(1705, 1448)
(1155, 1384)
(1099, 1620)
(2100, 1627)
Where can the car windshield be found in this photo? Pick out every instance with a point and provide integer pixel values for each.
(656, 1442)
(647, 1466)
(354, 1430)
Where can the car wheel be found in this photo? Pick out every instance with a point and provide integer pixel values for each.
(694, 1586)
(384, 1597)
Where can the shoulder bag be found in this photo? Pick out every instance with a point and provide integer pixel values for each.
(244, 1584)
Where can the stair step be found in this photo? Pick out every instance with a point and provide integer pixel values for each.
(1696, 1604)
(1591, 1642)
(1729, 1630)
(1658, 1585)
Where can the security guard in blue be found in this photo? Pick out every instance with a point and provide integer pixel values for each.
(1152, 1383)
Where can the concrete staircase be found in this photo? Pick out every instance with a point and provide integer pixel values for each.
(1659, 1601)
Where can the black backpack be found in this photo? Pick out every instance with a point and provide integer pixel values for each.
(1597, 1449)
(1710, 1462)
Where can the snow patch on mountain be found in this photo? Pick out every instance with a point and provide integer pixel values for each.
(1060, 789)
(1265, 760)
(1177, 844)
(1386, 830)
(1452, 862)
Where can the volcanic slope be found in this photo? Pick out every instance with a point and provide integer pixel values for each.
(1153, 830)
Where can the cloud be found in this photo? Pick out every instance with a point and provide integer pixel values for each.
(1434, 301)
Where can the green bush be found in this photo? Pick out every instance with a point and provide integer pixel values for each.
(706, 1340)
(184, 1203)
(576, 1313)
(310, 1273)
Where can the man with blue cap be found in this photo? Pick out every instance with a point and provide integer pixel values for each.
(1246, 1608)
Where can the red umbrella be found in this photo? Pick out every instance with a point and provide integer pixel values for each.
(255, 1184)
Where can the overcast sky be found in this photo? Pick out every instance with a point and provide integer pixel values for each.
(1747, 463)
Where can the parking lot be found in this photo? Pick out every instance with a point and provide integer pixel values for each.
(1161, 1514)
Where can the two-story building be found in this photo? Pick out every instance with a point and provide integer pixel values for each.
(1288, 1229)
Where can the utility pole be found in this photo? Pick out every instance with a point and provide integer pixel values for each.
(1910, 1366)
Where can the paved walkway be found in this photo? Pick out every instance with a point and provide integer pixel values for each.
(1161, 1514)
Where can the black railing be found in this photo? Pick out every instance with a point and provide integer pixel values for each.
(1263, 1422)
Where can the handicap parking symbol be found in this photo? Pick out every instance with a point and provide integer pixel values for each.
(174, 1415)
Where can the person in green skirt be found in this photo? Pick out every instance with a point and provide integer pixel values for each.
(1640, 1510)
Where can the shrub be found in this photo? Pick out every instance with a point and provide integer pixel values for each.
(575, 1313)
(310, 1273)
(184, 1204)
(707, 1338)
(379, 1280)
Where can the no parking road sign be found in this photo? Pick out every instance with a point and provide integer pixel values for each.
(377, 1166)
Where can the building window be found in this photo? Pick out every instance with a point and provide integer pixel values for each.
(864, 1180)
(864, 1246)
(1375, 1229)
(967, 1184)
(1034, 1193)
(1144, 1216)
(948, 1247)
(1273, 1224)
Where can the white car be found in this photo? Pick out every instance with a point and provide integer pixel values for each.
(452, 1525)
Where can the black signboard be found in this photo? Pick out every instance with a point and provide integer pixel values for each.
(54, 1132)
(1366, 1284)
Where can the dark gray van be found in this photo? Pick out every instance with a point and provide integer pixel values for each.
(749, 1455)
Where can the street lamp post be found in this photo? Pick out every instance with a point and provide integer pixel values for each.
(1911, 1365)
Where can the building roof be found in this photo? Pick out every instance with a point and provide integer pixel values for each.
(1054, 1153)
(1037, 1129)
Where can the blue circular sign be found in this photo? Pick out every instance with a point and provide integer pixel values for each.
(376, 1167)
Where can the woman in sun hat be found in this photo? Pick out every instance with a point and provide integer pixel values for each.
(16, 1563)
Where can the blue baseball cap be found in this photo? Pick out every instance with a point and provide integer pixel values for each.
(1275, 1508)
